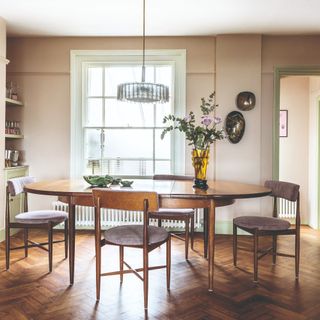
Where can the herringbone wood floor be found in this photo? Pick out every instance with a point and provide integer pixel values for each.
(27, 291)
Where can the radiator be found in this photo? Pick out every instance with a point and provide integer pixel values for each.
(286, 209)
(110, 218)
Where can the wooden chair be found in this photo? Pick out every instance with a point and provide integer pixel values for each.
(144, 237)
(44, 219)
(271, 226)
(186, 215)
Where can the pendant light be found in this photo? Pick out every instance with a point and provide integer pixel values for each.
(143, 92)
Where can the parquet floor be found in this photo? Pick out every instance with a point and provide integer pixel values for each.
(27, 291)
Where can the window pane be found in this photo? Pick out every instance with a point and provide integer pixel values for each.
(122, 114)
(163, 167)
(162, 147)
(128, 167)
(163, 75)
(94, 112)
(162, 109)
(95, 81)
(92, 149)
(128, 143)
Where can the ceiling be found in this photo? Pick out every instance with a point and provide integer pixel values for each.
(163, 17)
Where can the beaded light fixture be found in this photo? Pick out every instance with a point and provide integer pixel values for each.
(143, 92)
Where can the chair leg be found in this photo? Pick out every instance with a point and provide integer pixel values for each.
(145, 277)
(168, 261)
(186, 248)
(121, 262)
(98, 269)
(235, 245)
(7, 247)
(25, 240)
(50, 246)
(274, 249)
(192, 231)
(255, 256)
(297, 252)
(66, 239)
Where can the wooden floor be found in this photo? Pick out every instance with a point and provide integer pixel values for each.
(27, 291)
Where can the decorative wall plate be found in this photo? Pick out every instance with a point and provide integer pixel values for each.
(246, 100)
(235, 126)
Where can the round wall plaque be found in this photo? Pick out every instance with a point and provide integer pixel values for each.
(235, 126)
(246, 100)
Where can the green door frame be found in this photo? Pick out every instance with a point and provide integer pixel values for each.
(278, 73)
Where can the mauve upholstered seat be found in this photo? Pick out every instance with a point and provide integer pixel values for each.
(42, 216)
(261, 223)
(132, 235)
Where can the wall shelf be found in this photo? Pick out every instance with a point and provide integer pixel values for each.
(14, 136)
(11, 102)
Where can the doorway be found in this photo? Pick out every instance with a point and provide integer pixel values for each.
(296, 144)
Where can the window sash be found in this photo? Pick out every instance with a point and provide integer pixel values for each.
(80, 60)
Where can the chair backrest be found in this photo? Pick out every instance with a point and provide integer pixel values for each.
(16, 185)
(284, 190)
(125, 200)
(171, 177)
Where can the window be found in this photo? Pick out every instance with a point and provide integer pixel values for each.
(119, 138)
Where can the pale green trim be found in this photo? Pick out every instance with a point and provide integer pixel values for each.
(278, 73)
(318, 162)
(2, 235)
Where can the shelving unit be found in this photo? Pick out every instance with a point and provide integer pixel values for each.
(13, 135)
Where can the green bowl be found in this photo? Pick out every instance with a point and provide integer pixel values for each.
(98, 181)
(126, 183)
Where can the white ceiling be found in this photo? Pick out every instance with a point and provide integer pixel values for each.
(163, 17)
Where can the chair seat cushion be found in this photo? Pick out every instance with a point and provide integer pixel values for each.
(261, 223)
(132, 235)
(172, 213)
(42, 216)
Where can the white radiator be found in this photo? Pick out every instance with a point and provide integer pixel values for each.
(286, 209)
(110, 218)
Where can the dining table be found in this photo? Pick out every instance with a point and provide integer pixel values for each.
(172, 194)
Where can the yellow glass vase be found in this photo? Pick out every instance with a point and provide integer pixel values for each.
(200, 160)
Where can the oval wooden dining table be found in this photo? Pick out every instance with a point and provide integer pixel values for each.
(172, 194)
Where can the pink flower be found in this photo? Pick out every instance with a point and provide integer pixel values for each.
(217, 120)
(206, 120)
(187, 118)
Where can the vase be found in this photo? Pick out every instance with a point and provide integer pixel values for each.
(200, 159)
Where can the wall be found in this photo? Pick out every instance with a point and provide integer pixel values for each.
(314, 140)
(3, 63)
(294, 149)
(41, 65)
(239, 70)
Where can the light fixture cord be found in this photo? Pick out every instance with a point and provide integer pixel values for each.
(144, 41)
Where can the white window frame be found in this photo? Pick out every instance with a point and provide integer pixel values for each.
(79, 58)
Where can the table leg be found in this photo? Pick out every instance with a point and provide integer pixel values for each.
(72, 227)
(211, 225)
(205, 232)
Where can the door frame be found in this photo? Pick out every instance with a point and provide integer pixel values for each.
(278, 73)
